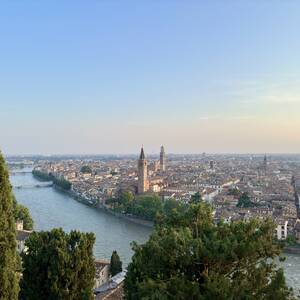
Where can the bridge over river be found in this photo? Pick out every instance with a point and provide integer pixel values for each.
(35, 185)
(13, 172)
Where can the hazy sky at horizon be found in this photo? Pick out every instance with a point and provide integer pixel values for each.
(108, 76)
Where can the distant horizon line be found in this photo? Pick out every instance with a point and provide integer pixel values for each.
(150, 154)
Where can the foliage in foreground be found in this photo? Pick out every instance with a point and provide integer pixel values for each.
(9, 286)
(58, 265)
(188, 256)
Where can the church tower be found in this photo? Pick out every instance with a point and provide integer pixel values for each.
(265, 165)
(162, 159)
(143, 184)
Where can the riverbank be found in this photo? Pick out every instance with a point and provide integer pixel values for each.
(292, 249)
(56, 184)
(50, 208)
(82, 200)
(132, 219)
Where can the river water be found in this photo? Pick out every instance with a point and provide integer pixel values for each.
(50, 208)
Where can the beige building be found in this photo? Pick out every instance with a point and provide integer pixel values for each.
(102, 272)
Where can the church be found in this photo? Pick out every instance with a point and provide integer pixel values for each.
(145, 183)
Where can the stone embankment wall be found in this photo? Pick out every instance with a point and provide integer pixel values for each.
(128, 218)
(292, 250)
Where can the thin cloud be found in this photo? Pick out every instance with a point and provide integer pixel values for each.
(282, 99)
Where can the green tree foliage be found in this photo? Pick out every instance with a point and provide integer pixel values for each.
(122, 202)
(290, 240)
(126, 198)
(145, 207)
(244, 201)
(58, 265)
(9, 286)
(171, 210)
(60, 182)
(172, 206)
(115, 263)
(22, 213)
(86, 169)
(41, 175)
(191, 257)
(148, 207)
(196, 198)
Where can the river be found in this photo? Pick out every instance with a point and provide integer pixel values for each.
(51, 208)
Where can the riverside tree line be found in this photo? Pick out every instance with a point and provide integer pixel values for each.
(147, 207)
(60, 182)
(188, 256)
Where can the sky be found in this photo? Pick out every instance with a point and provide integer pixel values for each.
(99, 77)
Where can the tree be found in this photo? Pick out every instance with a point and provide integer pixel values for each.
(196, 198)
(58, 265)
(191, 257)
(22, 213)
(9, 277)
(145, 207)
(86, 169)
(172, 206)
(244, 201)
(126, 198)
(60, 182)
(115, 263)
(171, 209)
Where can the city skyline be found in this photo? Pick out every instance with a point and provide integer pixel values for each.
(101, 78)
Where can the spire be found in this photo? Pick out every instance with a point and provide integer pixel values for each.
(162, 149)
(265, 158)
(265, 163)
(142, 155)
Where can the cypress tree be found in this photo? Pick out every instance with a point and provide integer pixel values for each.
(9, 286)
(115, 263)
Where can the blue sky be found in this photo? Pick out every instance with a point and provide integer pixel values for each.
(108, 76)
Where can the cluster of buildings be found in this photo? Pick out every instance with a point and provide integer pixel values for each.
(272, 185)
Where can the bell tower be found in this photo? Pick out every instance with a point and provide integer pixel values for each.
(162, 159)
(143, 184)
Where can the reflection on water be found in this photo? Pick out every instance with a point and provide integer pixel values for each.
(50, 208)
